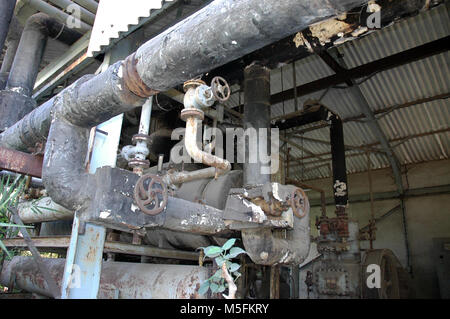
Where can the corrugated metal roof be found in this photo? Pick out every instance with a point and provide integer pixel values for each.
(116, 18)
(425, 78)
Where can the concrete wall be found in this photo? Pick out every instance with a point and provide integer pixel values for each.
(426, 217)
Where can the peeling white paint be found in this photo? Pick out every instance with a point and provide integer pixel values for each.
(275, 191)
(105, 214)
(264, 255)
(258, 214)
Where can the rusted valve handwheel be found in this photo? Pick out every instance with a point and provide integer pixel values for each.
(299, 203)
(220, 88)
(150, 194)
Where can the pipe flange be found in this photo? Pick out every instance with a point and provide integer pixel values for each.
(192, 84)
(132, 79)
(140, 138)
(192, 112)
(138, 163)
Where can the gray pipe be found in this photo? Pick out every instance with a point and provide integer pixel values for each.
(58, 14)
(6, 13)
(16, 102)
(11, 45)
(256, 116)
(48, 211)
(118, 279)
(31, 48)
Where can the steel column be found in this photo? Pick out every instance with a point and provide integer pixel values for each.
(81, 279)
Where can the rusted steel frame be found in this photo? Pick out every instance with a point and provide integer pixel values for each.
(110, 247)
(397, 139)
(372, 208)
(19, 162)
(299, 147)
(381, 112)
(275, 282)
(323, 202)
(51, 283)
(349, 147)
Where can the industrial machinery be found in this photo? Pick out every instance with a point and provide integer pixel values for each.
(135, 178)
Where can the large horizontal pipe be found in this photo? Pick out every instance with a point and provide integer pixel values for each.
(43, 210)
(118, 279)
(215, 35)
(58, 14)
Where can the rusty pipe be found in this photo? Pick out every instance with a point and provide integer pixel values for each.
(118, 279)
(190, 142)
(173, 178)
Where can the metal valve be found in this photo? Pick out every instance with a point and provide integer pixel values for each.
(299, 203)
(220, 89)
(150, 194)
(200, 96)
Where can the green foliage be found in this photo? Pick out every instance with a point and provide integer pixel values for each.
(221, 255)
(10, 192)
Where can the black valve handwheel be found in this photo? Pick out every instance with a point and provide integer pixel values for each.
(150, 194)
(299, 203)
(220, 88)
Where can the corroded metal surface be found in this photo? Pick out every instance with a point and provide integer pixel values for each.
(19, 162)
(150, 194)
(132, 79)
(118, 279)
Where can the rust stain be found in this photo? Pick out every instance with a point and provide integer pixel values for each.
(20, 162)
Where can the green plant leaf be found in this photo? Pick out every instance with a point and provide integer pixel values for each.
(3, 247)
(214, 287)
(217, 274)
(213, 251)
(234, 252)
(233, 267)
(14, 225)
(47, 208)
(220, 260)
(203, 288)
(229, 244)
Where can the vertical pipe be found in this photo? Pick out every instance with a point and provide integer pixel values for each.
(146, 113)
(6, 13)
(25, 67)
(338, 162)
(256, 116)
(11, 45)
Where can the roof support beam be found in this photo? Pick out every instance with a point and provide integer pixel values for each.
(337, 63)
(398, 139)
(389, 62)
